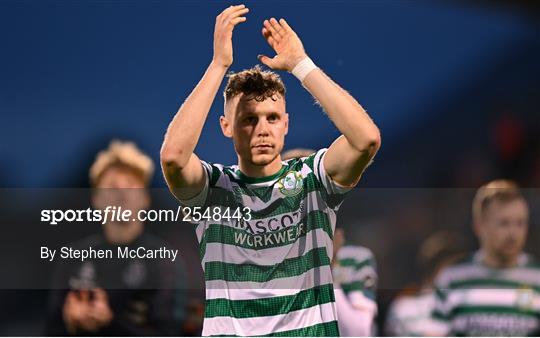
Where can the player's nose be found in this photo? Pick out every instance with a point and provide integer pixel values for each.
(262, 128)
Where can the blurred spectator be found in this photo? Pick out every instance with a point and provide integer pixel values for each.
(111, 297)
(410, 313)
(496, 291)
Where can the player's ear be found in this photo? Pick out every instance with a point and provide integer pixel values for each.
(286, 123)
(477, 227)
(226, 127)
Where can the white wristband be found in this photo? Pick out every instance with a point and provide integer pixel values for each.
(303, 68)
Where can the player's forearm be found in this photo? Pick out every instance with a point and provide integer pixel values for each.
(186, 127)
(346, 113)
(354, 321)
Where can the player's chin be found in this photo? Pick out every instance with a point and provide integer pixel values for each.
(510, 251)
(262, 159)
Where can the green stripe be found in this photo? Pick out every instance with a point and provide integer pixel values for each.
(352, 262)
(215, 175)
(272, 306)
(439, 315)
(487, 283)
(441, 294)
(358, 286)
(354, 286)
(465, 310)
(533, 265)
(289, 267)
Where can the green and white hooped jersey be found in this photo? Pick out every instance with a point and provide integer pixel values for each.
(475, 300)
(356, 271)
(270, 275)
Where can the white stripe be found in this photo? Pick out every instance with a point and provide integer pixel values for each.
(199, 230)
(489, 297)
(258, 326)
(358, 253)
(464, 272)
(227, 253)
(276, 287)
(360, 301)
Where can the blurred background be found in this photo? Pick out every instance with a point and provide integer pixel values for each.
(453, 86)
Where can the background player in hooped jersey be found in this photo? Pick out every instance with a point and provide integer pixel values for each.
(270, 272)
(355, 285)
(355, 278)
(496, 292)
(410, 314)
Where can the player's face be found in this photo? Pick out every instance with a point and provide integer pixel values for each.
(503, 228)
(121, 187)
(258, 128)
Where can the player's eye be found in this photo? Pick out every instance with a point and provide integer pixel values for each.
(250, 119)
(273, 118)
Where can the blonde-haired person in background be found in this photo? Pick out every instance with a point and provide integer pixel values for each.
(496, 291)
(111, 297)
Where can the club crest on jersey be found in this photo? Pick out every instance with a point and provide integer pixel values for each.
(525, 298)
(290, 184)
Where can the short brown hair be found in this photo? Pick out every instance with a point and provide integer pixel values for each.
(255, 83)
(497, 190)
(123, 154)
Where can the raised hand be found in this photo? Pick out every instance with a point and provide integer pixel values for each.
(287, 45)
(225, 23)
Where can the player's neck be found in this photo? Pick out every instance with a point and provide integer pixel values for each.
(251, 170)
(497, 262)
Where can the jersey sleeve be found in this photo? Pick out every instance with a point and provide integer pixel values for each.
(441, 310)
(333, 192)
(212, 175)
(363, 279)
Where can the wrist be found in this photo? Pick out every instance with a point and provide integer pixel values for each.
(303, 67)
(215, 64)
(296, 60)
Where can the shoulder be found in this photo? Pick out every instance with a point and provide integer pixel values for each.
(356, 252)
(219, 173)
(462, 268)
(311, 161)
(532, 262)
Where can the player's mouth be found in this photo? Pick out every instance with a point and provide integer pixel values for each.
(263, 146)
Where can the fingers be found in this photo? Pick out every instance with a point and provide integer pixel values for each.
(268, 36)
(277, 27)
(272, 29)
(233, 12)
(265, 60)
(236, 21)
(100, 295)
(285, 25)
(84, 296)
(71, 298)
(231, 9)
